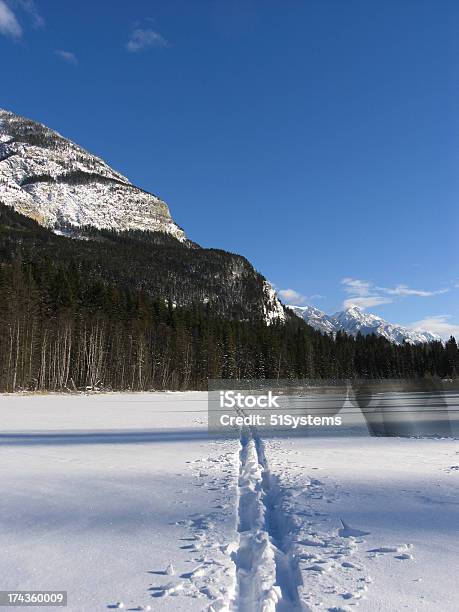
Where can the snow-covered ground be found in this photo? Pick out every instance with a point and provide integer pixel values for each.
(124, 498)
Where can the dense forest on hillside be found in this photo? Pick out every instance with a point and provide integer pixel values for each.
(69, 319)
(59, 330)
(153, 262)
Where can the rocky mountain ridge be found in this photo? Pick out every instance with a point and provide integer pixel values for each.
(57, 183)
(353, 320)
(75, 195)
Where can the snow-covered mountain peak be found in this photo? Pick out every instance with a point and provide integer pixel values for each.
(354, 316)
(355, 311)
(315, 318)
(56, 182)
(353, 320)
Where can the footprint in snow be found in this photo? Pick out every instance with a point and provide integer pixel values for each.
(171, 588)
(349, 565)
(404, 556)
(351, 595)
(349, 532)
(402, 548)
(317, 567)
(198, 571)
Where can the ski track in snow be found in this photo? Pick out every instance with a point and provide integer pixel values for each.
(257, 569)
(241, 525)
(266, 568)
(286, 553)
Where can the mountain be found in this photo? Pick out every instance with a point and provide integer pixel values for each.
(100, 289)
(121, 234)
(315, 318)
(353, 320)
(54, 181)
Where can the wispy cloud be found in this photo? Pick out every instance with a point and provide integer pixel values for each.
(290, 296)
(142, 39)
(29, 7)
(356, 286)
(365, 294)
(404, 291)
(9, 25)
(9, 22)
(437, 324)
(67, 56)
(366, 302)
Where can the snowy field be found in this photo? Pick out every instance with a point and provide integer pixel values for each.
(124, 498)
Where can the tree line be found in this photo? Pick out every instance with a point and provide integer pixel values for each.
(60, 329)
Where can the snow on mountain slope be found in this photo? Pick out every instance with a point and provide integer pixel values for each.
(273, 309)
(50, 179)
(54, 181)
(353, 320)
(315, 318)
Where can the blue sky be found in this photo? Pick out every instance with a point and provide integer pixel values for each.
(316, 137)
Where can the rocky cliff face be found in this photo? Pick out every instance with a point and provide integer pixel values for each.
(57, 183)
(126, 236)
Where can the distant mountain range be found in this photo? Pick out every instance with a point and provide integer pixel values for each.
(353, 320)
(101, 289)
(75, 195)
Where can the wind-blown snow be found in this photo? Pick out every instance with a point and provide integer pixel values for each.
(54, 181)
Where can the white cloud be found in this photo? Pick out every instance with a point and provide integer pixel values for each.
(437, 324)
(291, 296)
(404, 290)
(143, 39)
(361, 293)
(67, 56)
(30, 8)
(356, 286)
(366, 302)
(365, 294)
(9, 25)
(294, 298)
